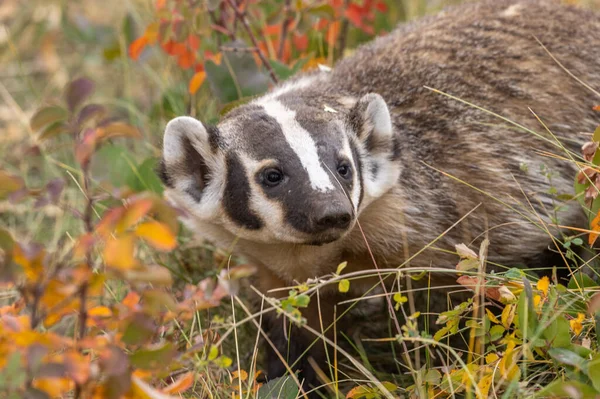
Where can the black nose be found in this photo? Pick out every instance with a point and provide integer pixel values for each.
(333, 220)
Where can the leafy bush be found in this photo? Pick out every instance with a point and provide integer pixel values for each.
(103, 296)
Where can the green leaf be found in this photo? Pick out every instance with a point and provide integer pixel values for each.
(47, 116)
(596, 136)
(153, 358)
(564, 356)
(144, 178)
(115, 164)
(581, 280)
(54, 130)
(324, 11)
(302, 300)
(558, 333)
(213, 352)
(344, 285)
(279, 388)
(566, 389)
(528, 321)
(594, 371)
(223, 361)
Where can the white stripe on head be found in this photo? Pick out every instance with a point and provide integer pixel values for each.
(300, 142)
(355, 194)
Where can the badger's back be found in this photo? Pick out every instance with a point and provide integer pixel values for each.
(497, 56)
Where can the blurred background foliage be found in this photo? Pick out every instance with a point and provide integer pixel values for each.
(86, 88)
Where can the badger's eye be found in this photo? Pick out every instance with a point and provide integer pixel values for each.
(344, 170)
(272, 177)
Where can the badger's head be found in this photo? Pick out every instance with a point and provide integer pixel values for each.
(274, 171)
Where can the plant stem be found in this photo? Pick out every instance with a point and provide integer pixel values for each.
(285, 25)
(241, 16)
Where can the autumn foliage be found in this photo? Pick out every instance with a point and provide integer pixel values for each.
(110, 308)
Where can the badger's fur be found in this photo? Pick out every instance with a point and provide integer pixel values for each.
(345, 165)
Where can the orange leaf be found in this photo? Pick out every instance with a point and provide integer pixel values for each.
(118, 253)
(137, 46)
(78, 366)
(272, 30)
(131, 300)
(157, 234)
(181, 384)
(136, 210)
(197, 81)
(596, 108)
(595, 226)
(54, 387)
(186, 60)
(194, 42)
(160, 4)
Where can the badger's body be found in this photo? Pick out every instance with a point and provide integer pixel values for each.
(287, 179)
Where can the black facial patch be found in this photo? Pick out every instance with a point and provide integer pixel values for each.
(196, 167)
(237, 195)
(265, 140)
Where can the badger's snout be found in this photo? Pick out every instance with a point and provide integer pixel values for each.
(331, 217)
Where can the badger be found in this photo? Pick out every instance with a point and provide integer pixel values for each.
(448, 130)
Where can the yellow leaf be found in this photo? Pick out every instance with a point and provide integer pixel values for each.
(537, 300)
(508, 364)
(508, 315)
(157, 234)
(181, 384)
(543, 285)
(491, 358)
(241, 374)
(484, 385)
(344, 285)
(492, 317)
(341, 267)
(197, 81)
(118, 253)
(30, 261)
(576, 325)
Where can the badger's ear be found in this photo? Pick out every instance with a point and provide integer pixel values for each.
(371, 123)
(189, 155)
(370, 120)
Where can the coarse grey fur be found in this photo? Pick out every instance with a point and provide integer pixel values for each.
(489, 54)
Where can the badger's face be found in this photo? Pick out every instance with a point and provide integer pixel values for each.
(270, 173)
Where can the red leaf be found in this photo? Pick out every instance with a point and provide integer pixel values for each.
(300, 41)
(137, 46)
(381, 6)
(354, 14)
(169, 47)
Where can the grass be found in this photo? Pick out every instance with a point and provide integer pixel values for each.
(532, 339)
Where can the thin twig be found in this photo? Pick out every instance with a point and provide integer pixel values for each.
(343, 33)
(239, 49)
(285, 25)
(241, 16)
